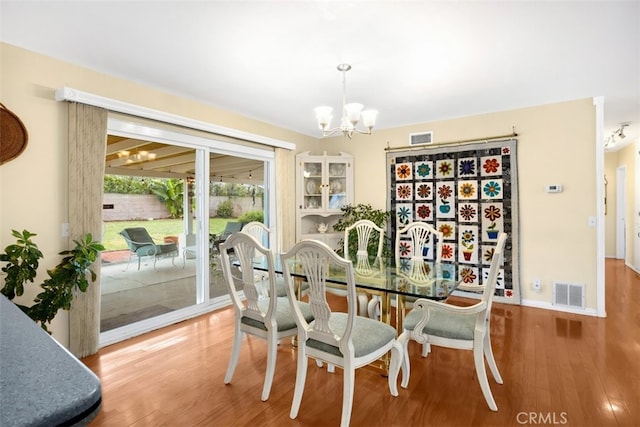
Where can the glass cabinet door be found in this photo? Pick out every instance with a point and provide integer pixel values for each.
(312, 185)
(337, 185)
(324, 186)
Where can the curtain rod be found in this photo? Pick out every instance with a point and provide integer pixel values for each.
(460, 142)
(70, 94)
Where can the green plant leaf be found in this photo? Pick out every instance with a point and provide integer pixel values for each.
(353, 213)
(58, 289)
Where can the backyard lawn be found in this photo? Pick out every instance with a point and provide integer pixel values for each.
(157, 228)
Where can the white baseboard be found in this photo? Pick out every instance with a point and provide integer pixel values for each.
(549, 306)
(632, 267)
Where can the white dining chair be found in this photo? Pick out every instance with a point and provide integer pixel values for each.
(341, 339)
(410, 242)
(266, 318)
(434, 323)
(366, 232)
(259, 231)
(262, 234)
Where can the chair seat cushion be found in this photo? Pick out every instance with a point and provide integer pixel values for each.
(284, 316)
(281, 287)
(157, 249)
(444, 324)
(368, 335)
(146, 250)
(167, 248)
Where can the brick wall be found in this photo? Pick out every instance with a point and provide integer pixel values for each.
(241, 205)
(133, 207)
(144, 206)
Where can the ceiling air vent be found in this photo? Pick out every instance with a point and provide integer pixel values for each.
(421, 138)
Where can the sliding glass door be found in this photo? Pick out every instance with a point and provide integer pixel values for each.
(150, 230)
(175, 193)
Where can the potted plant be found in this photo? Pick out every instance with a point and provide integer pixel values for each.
(492, 213)
(467, 240)
(22, 260)
(492, 231)
(353, 213)
(445, 192)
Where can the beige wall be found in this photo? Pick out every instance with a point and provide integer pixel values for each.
(33, 187)
(556, 146)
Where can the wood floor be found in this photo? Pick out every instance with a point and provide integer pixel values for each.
(558, 368)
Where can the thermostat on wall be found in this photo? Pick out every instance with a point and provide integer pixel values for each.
(554, 188)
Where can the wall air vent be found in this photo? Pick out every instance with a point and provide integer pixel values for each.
(421, 138)
(569, 295)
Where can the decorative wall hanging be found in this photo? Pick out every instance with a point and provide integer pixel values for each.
(468, 192)
(13, 135)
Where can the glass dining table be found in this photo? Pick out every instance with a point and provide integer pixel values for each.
(381, 278)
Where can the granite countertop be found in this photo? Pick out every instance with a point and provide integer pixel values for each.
(41, 382)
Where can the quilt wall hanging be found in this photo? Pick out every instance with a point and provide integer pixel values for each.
(468, 192)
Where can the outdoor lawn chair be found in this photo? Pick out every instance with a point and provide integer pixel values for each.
(141, 244)
(230, 228)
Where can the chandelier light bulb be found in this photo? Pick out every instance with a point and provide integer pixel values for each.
(369, 118)
(353, 112)
(323, 115)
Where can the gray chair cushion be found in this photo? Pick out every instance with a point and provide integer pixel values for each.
(284, 316)
(281, 286)
(368, 335)
(443, 324)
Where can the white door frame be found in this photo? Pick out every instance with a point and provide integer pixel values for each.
(636, 211)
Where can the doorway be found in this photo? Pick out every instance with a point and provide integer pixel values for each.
(621, 211)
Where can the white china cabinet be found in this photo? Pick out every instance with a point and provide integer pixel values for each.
(324, 184)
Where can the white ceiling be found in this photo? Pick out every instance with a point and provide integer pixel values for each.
(413, 61)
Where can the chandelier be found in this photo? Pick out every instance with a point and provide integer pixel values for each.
(351, 114)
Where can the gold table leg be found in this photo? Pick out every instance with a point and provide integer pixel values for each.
(382, 365)
(298, 289)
